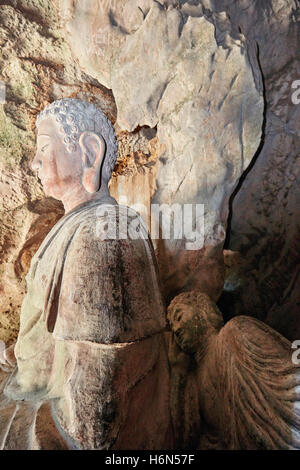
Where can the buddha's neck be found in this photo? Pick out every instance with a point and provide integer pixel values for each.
(79, 195)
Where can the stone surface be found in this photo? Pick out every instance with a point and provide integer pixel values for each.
(238, 378)
(265, 211)
(205, 99)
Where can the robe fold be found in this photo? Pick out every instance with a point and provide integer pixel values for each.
(91, 339)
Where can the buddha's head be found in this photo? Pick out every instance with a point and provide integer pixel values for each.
(193, 317)
(76, 148)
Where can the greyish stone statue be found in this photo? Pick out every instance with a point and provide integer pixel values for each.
(89, 369)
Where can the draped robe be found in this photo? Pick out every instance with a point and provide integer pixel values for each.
(91, 354)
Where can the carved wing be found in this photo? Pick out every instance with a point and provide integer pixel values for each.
(257, 385)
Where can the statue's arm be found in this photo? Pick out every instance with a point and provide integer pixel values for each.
(88, 302)
(108, 292)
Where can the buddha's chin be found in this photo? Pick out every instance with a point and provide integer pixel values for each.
(50, 190)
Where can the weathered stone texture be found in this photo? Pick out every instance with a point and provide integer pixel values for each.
(37, 67)
(265, 210)
(167, 70)
(187, 79)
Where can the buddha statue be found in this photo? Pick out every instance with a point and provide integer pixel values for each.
(233, 386)
(89, 369)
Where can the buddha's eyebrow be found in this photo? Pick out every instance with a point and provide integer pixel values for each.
(43, 135)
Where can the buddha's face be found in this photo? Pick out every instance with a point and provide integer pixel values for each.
(59, 171)
(186, 325)
(193, 317)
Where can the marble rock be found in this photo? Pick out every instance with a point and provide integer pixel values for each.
(167, 70)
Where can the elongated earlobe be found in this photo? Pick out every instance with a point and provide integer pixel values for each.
(93, 152)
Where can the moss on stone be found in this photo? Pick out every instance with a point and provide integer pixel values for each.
(10, 139)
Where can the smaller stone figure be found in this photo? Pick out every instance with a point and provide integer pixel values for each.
(233, 386)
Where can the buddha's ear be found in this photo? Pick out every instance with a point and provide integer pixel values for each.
(93, 152)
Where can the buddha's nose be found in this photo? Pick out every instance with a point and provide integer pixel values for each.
(36, 162)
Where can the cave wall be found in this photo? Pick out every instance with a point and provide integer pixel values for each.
(265, 209)
(200, 96)
(168, 71)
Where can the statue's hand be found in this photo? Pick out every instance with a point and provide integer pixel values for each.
(7, 358)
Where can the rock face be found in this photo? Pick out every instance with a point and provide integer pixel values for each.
(265, 210)
(187, 79)
(201, 94)
(166, 69)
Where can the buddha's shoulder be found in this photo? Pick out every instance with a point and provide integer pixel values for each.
(112, 212)
(109, 225)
